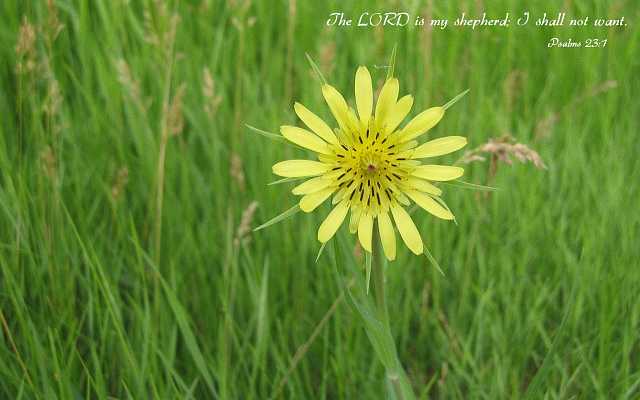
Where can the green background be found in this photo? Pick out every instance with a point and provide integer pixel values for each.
(92, 307)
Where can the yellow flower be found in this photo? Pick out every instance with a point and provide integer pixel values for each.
(371, 166)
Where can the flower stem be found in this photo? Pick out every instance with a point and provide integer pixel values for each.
(377, 271)
(398, 383)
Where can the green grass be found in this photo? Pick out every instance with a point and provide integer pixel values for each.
(540, 292)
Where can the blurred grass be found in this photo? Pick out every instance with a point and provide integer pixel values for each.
(92, 308)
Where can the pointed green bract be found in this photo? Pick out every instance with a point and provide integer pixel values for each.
(367, 260)
(432, 259)
(468, 185)
(455, 99)
(285, 180)
(392, 62)
(316, 69)
(320, 251)
(290, 212)
(266, 134)
(443, 204)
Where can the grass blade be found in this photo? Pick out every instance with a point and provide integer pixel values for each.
(534, 388)
(187, 333)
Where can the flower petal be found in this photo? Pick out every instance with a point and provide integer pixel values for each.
(421, 186)
(421, 123)
(438, 172)
(300, 168)
(429, 204)
(333, 222)
(353, 123)
(312, 185)
(387, 236)
(440, 146)
(398, 113)
(315, 123)
(355, 219)
(337, 105)
(311, 201)
(364, 94)
(407, 229)
(304, 138)
(365, 231)
(386, 100)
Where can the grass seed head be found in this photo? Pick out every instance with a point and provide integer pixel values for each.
(502, 149)
(49, 163)
(237, 171)
(119, 183)
(244, 229)
(213, 100)
(175, 116)
(25, 48)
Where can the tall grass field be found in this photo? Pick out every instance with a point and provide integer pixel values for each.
(130, 186)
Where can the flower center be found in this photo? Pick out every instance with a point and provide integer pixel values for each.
(370, 163)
